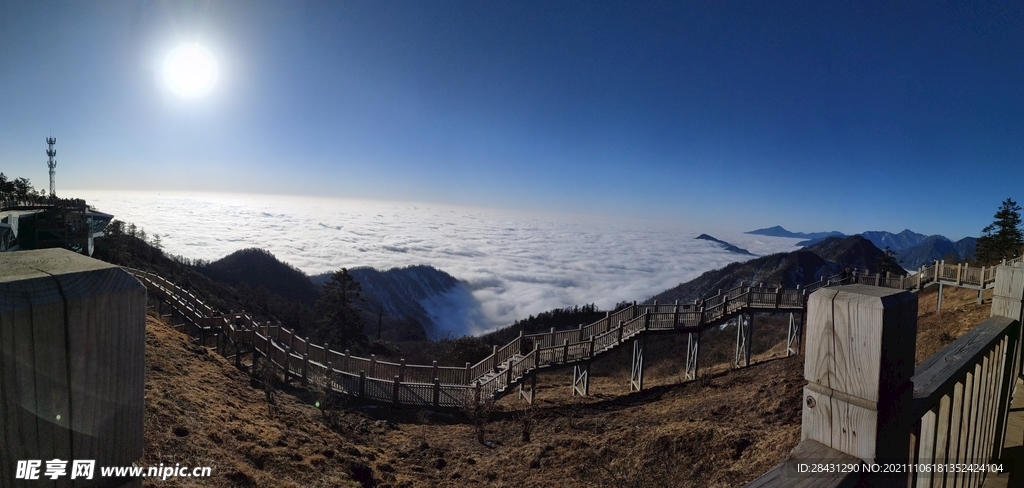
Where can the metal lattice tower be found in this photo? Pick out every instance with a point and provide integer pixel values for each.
(52, 163)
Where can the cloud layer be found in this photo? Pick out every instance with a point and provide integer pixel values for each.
(514, 264)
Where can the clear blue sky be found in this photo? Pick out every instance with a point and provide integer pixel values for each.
(814, 115)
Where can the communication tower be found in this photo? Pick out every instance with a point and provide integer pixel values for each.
(52, 163)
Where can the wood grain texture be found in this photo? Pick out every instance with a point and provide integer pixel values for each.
(936, 374)
(926, 445)
(1008, 294)
(819, 330)
(860, 352)
(809, 451)
(942, 436)
(72, 339)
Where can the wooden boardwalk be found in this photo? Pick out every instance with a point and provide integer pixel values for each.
(517, 363)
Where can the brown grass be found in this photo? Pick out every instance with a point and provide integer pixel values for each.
(723, 431)
(960, 313)
(202, 411)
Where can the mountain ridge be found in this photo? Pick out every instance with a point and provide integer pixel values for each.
(422, 293)
(801, 267)
(779, 231)
(725, 245)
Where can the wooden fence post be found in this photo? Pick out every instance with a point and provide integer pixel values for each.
(64, 317)
(330, 377)
(72, 361)
(287, 360)
(305, 367)
(859, 361)
(1008, 301)
(1007, 294)
(437, 390)
(494, 355)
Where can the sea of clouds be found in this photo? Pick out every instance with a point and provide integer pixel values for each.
(513, 264)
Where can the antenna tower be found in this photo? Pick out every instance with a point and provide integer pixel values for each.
(52, 163)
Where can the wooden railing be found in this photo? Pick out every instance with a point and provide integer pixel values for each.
(944, 424)
(961, 399)
(43, 202)
(509, 364)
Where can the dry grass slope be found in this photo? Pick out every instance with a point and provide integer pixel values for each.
(723, 431)
(202, 411)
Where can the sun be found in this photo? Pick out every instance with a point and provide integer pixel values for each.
(190, 71)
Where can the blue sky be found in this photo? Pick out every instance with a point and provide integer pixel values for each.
(814, 115)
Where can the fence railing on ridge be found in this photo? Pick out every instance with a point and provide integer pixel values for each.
(511, 363)
(944, 423)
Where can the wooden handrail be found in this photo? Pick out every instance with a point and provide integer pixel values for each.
(686, 317)
(934, 377)
(952, 410)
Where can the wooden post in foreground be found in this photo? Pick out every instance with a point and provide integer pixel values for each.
(72, 361)
(1007, 301)
(1006, 295)
(859, 361)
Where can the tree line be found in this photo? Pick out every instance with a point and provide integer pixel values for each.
(1002, 239)
(18, 189)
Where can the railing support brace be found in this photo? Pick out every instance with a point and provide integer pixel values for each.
(692, 351)
(530, 393)
(742, 357)
(581, 379)
(636, 378)
(793, 339)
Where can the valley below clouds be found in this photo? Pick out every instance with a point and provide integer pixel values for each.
(513, 264)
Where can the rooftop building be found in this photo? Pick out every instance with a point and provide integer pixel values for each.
(43, 223)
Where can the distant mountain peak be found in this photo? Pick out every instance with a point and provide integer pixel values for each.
(779, 231)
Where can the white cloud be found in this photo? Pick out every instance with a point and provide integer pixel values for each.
(514, 264)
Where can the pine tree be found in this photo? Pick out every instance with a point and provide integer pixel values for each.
(1002, 239)
(340, 323)
(6, 188)
(888, 263)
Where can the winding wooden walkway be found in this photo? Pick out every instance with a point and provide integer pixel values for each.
(517, 363)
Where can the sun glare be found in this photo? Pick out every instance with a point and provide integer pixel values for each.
(190, 71)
